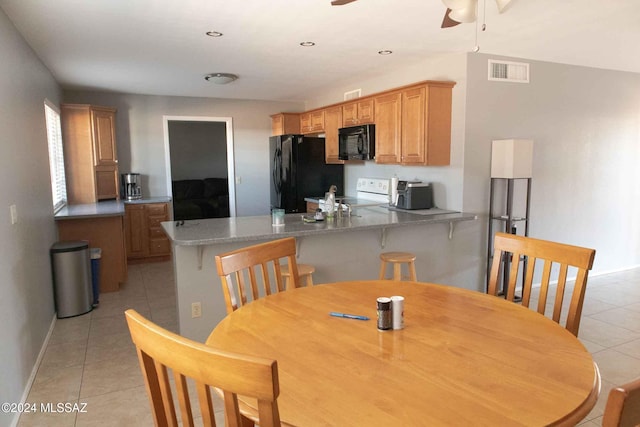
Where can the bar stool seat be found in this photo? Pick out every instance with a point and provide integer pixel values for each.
(304, 273)
(397, 259)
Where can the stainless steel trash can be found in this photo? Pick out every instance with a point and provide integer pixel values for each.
(71, 267)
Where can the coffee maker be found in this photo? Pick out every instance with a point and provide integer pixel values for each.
(131, 186)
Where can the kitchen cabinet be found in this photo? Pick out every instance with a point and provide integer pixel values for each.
(332, 122)
(146, 241)
(358, 112)
(312, 122)
(388, 116)
(106, 233)
(285, 124)
(422, 133)
(91, 162)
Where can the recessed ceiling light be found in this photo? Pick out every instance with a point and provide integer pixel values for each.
(214, 34)
(220, 78)
(307, 44)
(385, 52)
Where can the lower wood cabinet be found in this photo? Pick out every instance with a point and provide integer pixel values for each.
(145, 237)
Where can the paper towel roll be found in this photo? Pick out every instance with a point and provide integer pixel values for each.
(393, 199)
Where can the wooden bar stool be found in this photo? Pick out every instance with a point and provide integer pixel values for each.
(397, 259)
(304, 273)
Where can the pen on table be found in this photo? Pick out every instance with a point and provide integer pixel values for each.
(348, 316)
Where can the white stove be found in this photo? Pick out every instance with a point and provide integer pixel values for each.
(373, 189)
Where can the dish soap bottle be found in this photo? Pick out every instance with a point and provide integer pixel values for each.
(330, 201)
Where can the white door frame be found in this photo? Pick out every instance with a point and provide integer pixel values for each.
(230, 153)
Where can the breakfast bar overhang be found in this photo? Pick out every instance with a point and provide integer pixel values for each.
(340, 249)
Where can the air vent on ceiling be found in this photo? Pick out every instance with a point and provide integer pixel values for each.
(506, 71)
(353, 94)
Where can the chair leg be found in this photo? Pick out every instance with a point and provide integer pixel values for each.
(412, 272)
(383, 269)
(397, 271)
(309, 280)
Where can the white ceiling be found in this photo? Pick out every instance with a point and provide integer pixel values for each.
(159, 47)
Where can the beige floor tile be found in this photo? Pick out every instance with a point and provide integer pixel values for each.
(616, 367)
(603, 333)
(631, 348)
(110, 347)
(119, 373)
(129, 407)
(628, 319)
(108, 325)
(56, 385)
(49, 418)
(71, 329)
(619, 299)
(591, 346)
(118, 307)
(64, 354)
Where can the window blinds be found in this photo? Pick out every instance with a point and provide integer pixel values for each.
(56, 156)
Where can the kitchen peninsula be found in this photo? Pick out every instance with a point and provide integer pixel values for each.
(340, 249)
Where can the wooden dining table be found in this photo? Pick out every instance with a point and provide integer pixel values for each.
(462, 358)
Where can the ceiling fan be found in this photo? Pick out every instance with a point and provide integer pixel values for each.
(463, 11)
(340, 2)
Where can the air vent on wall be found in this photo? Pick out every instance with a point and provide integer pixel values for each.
(506, 71)
(353, 94)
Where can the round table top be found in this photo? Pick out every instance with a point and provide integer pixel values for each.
(463, 358)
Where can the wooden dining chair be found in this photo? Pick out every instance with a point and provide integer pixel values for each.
(623, 406)
(549, 253)
(234, 374)
(237, 271)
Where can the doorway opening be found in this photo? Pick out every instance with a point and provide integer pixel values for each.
(199, 160)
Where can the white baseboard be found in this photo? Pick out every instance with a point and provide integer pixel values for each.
(34, 371)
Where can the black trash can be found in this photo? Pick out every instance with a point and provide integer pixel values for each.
(71, 267)
(96, 254)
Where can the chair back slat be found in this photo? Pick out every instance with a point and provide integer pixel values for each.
(160, 350)
(549, 254)
(256, 270)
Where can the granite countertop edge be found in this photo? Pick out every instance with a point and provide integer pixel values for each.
(197, 232)
(102, 209)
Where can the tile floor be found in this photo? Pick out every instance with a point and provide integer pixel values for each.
(90, 359)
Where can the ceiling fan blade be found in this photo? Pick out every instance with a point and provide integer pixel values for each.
(465, 15)
(340, 2)
(503, 5)
(447, 22)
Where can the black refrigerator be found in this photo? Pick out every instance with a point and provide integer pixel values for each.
(298, 170)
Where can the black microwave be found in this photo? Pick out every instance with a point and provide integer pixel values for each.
(357, 143)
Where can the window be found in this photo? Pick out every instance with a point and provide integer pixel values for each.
(56, 156)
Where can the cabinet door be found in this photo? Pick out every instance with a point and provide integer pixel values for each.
(305, 122)
(285, 124)
(158, 241)
(135, 231)
(388, 116)
(332, 122)
(104, 139)
(106, 182)
(317, 121)
(413, 130)
(365, 111)
(349, 114)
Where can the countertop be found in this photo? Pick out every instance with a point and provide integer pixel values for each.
(102, 209)
(241, 229)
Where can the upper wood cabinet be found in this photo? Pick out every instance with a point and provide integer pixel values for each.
(413, 123)
(332, 122)
(358, 112)
(285, 124)
(424, 136)
(388, 116)
(312, 122)
(91, 162)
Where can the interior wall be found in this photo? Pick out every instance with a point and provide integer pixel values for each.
(198, 149)
(26, 293)
(585, 123)
(140, 138)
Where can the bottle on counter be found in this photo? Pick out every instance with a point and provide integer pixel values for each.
(330, 201)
